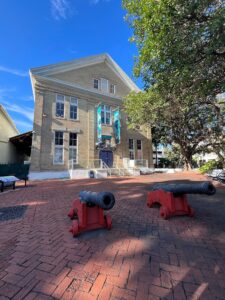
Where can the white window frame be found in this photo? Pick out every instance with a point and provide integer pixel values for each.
(104, 80)
(94, 83)
(58, 147)
(131, 150)
(74, 147)
(60, 101)
(141, 150)
(114, 88)
(105, 111)
(73, 98)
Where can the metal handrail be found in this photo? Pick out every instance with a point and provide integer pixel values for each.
(105, 166)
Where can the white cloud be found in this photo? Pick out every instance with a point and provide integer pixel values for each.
(27, 98)
(14, 71)
(5, 91)
(60, 9)
(27, 112)
(25, 125)
(95, 2)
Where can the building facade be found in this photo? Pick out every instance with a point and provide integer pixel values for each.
(8, 152)
(78, 116)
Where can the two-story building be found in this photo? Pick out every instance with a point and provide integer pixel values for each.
(78, 117)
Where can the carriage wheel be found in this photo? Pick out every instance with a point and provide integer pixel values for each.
(164, 213)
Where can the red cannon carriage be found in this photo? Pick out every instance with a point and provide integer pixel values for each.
(87, 212)
(172, 198)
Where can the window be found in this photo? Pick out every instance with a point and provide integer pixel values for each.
(73, 147)
(58, 151)
(104, 85)
(106, 114)
(139, 149)
(96, 84)
(73, 108)
(131, 149)
(112, 89)
(60, 106)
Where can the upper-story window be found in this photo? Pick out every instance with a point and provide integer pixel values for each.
(96, 84)
(73, 108)
(60, 99)
(106, 114)
(104, 85)
(112, 89)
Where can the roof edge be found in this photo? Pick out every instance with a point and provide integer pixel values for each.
(9, 118)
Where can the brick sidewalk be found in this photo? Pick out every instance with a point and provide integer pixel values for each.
(142, 257)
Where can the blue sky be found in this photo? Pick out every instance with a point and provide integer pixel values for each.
(37, 33)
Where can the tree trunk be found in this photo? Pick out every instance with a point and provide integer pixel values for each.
(187, 161)
(187, 165)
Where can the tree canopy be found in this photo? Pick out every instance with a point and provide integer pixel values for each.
(181, 59)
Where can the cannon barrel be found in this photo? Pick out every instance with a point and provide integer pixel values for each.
(206, 188)
(105, 200)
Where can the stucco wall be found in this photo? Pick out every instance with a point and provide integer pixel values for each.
(8, 152)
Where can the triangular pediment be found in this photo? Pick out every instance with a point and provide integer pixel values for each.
(82, 72)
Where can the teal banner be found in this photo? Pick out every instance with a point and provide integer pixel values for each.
(117, 126)
(99, 124)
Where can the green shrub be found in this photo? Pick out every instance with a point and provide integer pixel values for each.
(209, 166)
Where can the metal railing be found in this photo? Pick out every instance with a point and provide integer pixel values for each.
(105, 166)
(100, 164)
(85, 164)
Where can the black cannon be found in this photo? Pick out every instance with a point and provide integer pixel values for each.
(177, 189)
(105, 200)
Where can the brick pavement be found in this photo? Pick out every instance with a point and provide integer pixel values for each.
(142, 257)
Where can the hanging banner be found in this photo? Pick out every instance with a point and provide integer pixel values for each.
(117, 125)
(99, 124)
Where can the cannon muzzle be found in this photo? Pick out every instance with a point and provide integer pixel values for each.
(177, 189)
(105, 200)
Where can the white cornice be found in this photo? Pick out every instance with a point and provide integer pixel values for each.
(71, 85)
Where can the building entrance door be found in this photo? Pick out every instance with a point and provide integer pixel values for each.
(107, 157)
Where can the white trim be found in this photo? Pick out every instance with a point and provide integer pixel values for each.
(104, 80)
(77, 87)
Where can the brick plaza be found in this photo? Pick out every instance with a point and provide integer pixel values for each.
(142, 257)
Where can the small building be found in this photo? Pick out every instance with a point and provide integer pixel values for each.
(8, 152)
(79, 121)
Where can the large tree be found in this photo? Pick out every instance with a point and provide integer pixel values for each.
(193, 127)
(182, 62)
